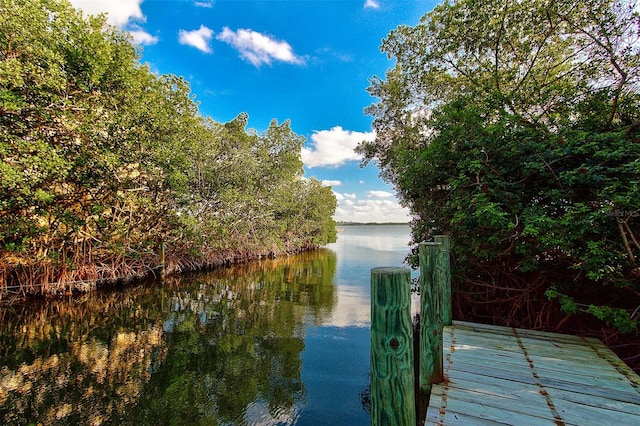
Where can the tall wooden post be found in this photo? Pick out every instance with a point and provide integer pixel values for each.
(392, 376)
(445, 249)
(431, 369)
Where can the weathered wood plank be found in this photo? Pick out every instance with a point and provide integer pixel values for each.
(450, 417)
(514, 396)
(572, 359)
(521, 376)
(544, 364)
(493, 359)
(607, 354)
(584, 414)
(581, 370)
(580, 366)
(529, 403)
(512, 344)
(496, 330)
(625, 395)
(520, 373)
(503, 338)
(479, 410)
(492, 385)
(501, 375)
(597, 401)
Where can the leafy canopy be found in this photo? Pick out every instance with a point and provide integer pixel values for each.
(513, 127)
(104, 162)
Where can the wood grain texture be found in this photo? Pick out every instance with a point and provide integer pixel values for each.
(430, 316)
(392, 372)
(502, 375)
(445, 279)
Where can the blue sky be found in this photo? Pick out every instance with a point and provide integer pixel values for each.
(308, 61)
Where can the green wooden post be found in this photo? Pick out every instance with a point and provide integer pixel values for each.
(431, 369)
(445, 250)
(392, 375)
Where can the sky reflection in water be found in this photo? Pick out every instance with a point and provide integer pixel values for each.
(278, 342)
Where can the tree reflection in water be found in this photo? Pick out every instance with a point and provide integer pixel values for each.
(216, 348)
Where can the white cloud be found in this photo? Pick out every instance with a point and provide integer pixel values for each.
(370, 210)
(260, 413)
(119, 12)
(372, 4)
(352, 309)
(331, 182)
(197, 38)
(379, 194)
(142, 37)
(335, 54)
(333, 147)
(259, 48)
(344, 197)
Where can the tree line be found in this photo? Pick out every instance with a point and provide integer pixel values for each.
(514, 127)
(105, 163)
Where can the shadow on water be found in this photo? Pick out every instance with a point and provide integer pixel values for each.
(217, 348)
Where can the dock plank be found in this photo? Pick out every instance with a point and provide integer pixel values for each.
(486, 413)
(502, 375)
(497, 397)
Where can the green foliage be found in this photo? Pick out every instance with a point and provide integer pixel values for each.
(102, 160)
(513, 127)
(567, 304)
(621, 319)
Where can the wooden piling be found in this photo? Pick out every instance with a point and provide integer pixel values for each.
(392, 373)
(445, 262)
(431, 283)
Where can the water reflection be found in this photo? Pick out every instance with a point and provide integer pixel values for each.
(221, 348)
(336, 355)
(272, 343)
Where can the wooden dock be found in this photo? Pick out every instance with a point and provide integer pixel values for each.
(474, 374)
(500, 375)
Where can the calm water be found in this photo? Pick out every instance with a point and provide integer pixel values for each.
(273, 343)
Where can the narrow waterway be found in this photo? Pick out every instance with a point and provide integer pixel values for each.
(272, 343)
